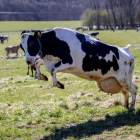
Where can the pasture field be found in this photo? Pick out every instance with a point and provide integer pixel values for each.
(35, 110)
(28, 25)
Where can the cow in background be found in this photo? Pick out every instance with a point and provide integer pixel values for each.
(6, 37)
(67, 51)
(2, 39)
(12, 49)
(125, 28)
(112, 29)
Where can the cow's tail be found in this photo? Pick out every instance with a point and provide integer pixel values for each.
(130, 60)
(127, 48)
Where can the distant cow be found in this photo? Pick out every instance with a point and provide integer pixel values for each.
(112, 29)
(12, 49)
(84, 29)
(6, 37)
(138, 29)
(125, 28)
(94, 34)
(67, 51)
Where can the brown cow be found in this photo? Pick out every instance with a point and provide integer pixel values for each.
(12, 49)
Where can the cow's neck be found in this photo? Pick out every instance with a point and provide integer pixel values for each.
(47, 41)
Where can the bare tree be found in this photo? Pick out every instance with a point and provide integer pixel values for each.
(112, 6)
(108, 14)
(96, 6)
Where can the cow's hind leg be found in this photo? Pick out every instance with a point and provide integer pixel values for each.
(133, 92)
(132, 88)
(55, 82)
(126, 98)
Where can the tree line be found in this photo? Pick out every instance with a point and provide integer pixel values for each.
(42, 10)
(112, 13)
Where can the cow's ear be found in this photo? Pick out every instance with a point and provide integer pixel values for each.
(37, 34)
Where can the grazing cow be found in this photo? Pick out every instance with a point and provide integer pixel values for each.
(84, 29)
(125, 28)
(65, 50)
(36, 67)
(112, 29)
(78, 28)
(138, 29)
(12, 49)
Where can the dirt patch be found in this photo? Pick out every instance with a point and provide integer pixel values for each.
(110, 103)
(47, 95)
(80, 93)
(89, 95)
(16, 105)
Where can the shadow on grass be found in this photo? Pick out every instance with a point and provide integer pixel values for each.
(90, 128)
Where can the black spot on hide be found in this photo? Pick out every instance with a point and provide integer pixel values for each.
(95, 53)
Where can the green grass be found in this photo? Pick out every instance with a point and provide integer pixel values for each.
(28, 25)
(33, 109)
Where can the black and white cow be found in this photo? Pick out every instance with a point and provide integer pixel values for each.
(65, 50)
(2, 39)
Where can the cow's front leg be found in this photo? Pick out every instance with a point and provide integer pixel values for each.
(55, 82)
(60, 67)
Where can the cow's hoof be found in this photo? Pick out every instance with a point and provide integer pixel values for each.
(59, 85)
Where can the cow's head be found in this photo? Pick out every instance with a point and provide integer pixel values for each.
(30, 46)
